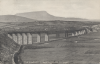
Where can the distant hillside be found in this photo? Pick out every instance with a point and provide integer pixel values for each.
(43, 15)
(47, 26)
(13, 18)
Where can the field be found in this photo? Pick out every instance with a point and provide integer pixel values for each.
(45, 26)
(84, 49)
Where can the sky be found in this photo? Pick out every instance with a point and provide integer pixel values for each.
(89, 9)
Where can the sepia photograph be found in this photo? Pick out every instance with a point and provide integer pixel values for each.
(49, 31)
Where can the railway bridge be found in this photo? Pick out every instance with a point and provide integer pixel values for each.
(24, 38)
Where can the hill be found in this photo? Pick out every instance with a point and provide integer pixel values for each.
(45, 16)
(13, 18)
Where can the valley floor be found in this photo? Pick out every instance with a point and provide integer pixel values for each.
(84, 49)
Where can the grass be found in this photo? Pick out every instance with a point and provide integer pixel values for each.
(49, 26)
(85, 51)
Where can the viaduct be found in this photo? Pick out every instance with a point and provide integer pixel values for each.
(12, 42)
(24, 38)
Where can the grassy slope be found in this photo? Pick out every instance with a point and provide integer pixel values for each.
(12, 20)
(7, 47)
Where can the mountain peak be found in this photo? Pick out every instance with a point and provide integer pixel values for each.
(44, 13)
(39, 15)
(45, 16)
(40, 12)
(35, 12)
